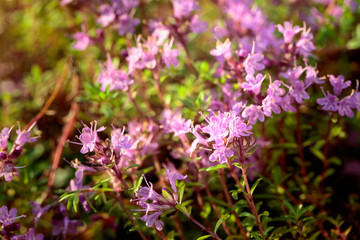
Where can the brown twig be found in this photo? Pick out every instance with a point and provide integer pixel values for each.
(63, 138)
(52, 96)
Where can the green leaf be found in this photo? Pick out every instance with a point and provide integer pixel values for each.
(247, 214)
(203, 237)
(182, 209)
(132, 166)
(89, 202)
(76, 201)
(291, 208)
(255, 185)
(181, 191)
(171, 235)
(66, 195)
(268, 229)
(167, 195)
(222, 219)
(214, 168)
(265, 213)
(137, 184)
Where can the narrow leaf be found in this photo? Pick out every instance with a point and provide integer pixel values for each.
(222, 219)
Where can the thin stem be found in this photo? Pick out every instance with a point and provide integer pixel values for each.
(53, 95)
(158, 87)
(233, 174)
(203, 227)
(248, 197)
(213, 204)
(119, 175)
(281, 142)
(128, 215)
(135, 103)
(251, 199)
(178, 227)
(326, 149)
(299, 142)
(229, 200)
(60, 146)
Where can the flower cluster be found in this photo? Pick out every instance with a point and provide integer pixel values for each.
(222, 128)
(8, 157)
(9, 226)
(112, 78)
(154, 204)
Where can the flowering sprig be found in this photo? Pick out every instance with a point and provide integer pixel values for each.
(8, 157)
(154, 204)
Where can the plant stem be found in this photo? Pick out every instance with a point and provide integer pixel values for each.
(213, 204)
(326, 149)
(251, 199)
(203, 227)
(229, 200)
(248, 197)
(158, 87)
(178, 227)
(299, 142)
(135, 104)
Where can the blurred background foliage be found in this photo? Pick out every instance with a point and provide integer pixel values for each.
(36, 43)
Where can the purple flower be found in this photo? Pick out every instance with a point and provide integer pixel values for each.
(153, 220)
(107, 15)
(253, 113)
(62, 223)
(237, 128)
(339, 83)
(115, 79)
(298, 91)
(126, 24)
(222, 49)
(252, 62)
(88, 137)
(197, 26)
(345, 107)
(222, 153)
(173, 122)
(199, 139)
(174, 175)
(79, 174)
(140, 58)
(24, 136)
(8, 170)
(288, 31)
(76, 185)
(329, 102)
(82, 41)
(286, 104)
(38, 211)
(293, 74)
(169, 55)
(217, 127)
(119, 141)
(270, 104)
(152, 202)
(253, 84)
(311, 76)
(8, 217)
(183, 8)
(159, 32)
(304, 45)
(30, 235)
(4, 136)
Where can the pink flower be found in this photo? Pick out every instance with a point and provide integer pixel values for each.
(82, 41)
